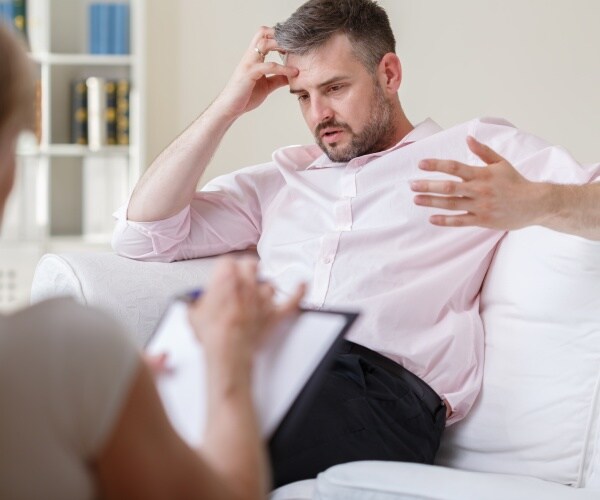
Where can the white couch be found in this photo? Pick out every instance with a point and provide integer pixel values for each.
(535, 429)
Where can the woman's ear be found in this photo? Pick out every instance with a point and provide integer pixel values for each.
(390, 72)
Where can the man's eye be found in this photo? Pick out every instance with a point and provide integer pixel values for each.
(335, 88)
(303, 97)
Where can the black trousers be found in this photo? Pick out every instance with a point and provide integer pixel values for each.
(366, 408)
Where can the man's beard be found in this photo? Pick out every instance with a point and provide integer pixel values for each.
(374, 137)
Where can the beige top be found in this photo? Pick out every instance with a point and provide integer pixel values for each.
(64, 373)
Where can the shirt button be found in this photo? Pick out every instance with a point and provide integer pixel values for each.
(328, 259)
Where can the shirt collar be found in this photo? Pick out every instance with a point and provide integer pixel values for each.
(425, 129)
(312, 157)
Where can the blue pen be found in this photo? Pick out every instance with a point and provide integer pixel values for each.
(192, 295)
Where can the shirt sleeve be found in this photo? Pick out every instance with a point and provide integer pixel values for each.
(226, 215)
(594, 172)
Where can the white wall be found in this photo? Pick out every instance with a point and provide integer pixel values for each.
(534, 62)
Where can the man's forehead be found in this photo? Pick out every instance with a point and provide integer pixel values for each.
(334, 56)
(303, 62)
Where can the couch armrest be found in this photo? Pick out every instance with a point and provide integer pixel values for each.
(135, 293)
(396, 480)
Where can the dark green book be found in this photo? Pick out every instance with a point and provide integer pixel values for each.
(19, 17)
(110, 87)
(123, 112)
(79, 112)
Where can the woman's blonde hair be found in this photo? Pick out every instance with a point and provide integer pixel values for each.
(16, 82)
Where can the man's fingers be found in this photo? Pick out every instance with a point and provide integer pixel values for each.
(462, 220)
(224, 271)
(156, 362)
(445, 202)
(248, 269)
(266, 292)
(487, 154)
(450, 167)
(272, 68)
(293, 303)
(261, 70)
(439, 187)
(262, 45)
(264, 33)
(276, 81)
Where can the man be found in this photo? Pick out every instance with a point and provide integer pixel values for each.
(339, 215)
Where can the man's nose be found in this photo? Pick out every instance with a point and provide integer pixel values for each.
(321, 110)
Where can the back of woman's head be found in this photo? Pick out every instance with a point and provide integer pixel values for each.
(16, 83)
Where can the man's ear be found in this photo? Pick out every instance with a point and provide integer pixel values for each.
(390, 72)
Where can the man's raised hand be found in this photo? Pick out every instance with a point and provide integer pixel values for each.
(494, 196)
(254, 78)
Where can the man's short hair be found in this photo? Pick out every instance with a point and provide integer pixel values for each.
(365, 23)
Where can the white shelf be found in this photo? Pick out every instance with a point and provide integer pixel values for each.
(75, 150)
(58, 195)
(65, 194)
(81, 59)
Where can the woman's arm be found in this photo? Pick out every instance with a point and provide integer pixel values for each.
(145, 458)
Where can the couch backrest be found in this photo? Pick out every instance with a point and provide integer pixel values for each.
(539, 411)
(135, 293)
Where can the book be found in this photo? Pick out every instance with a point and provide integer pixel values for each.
(96, 112)
(93, 29)
(110, 112)
(290, 363)
(19, 19)
(37, 26)
(100, 111)
(120, 31)
(12, 13)
(123, 112)
(109, 28)
(98, 28)
(7, 13)
(103, 22)
(79, 112)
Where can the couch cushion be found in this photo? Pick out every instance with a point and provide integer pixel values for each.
(538, 412)
(396, 481)
(300, 490)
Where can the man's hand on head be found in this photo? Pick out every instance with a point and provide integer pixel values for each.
(494, 196)
(254, 78)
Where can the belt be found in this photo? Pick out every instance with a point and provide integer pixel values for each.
(424, 392)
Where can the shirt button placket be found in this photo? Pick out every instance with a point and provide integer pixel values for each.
(324, 266)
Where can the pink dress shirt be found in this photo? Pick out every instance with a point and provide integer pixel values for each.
(352, 232)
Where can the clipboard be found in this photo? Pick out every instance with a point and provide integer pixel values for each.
(288, 365)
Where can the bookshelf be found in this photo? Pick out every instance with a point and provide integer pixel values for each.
(65, 193)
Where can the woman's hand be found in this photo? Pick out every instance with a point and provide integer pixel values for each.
(237, 311)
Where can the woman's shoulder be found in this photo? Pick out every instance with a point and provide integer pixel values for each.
(62, 321)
